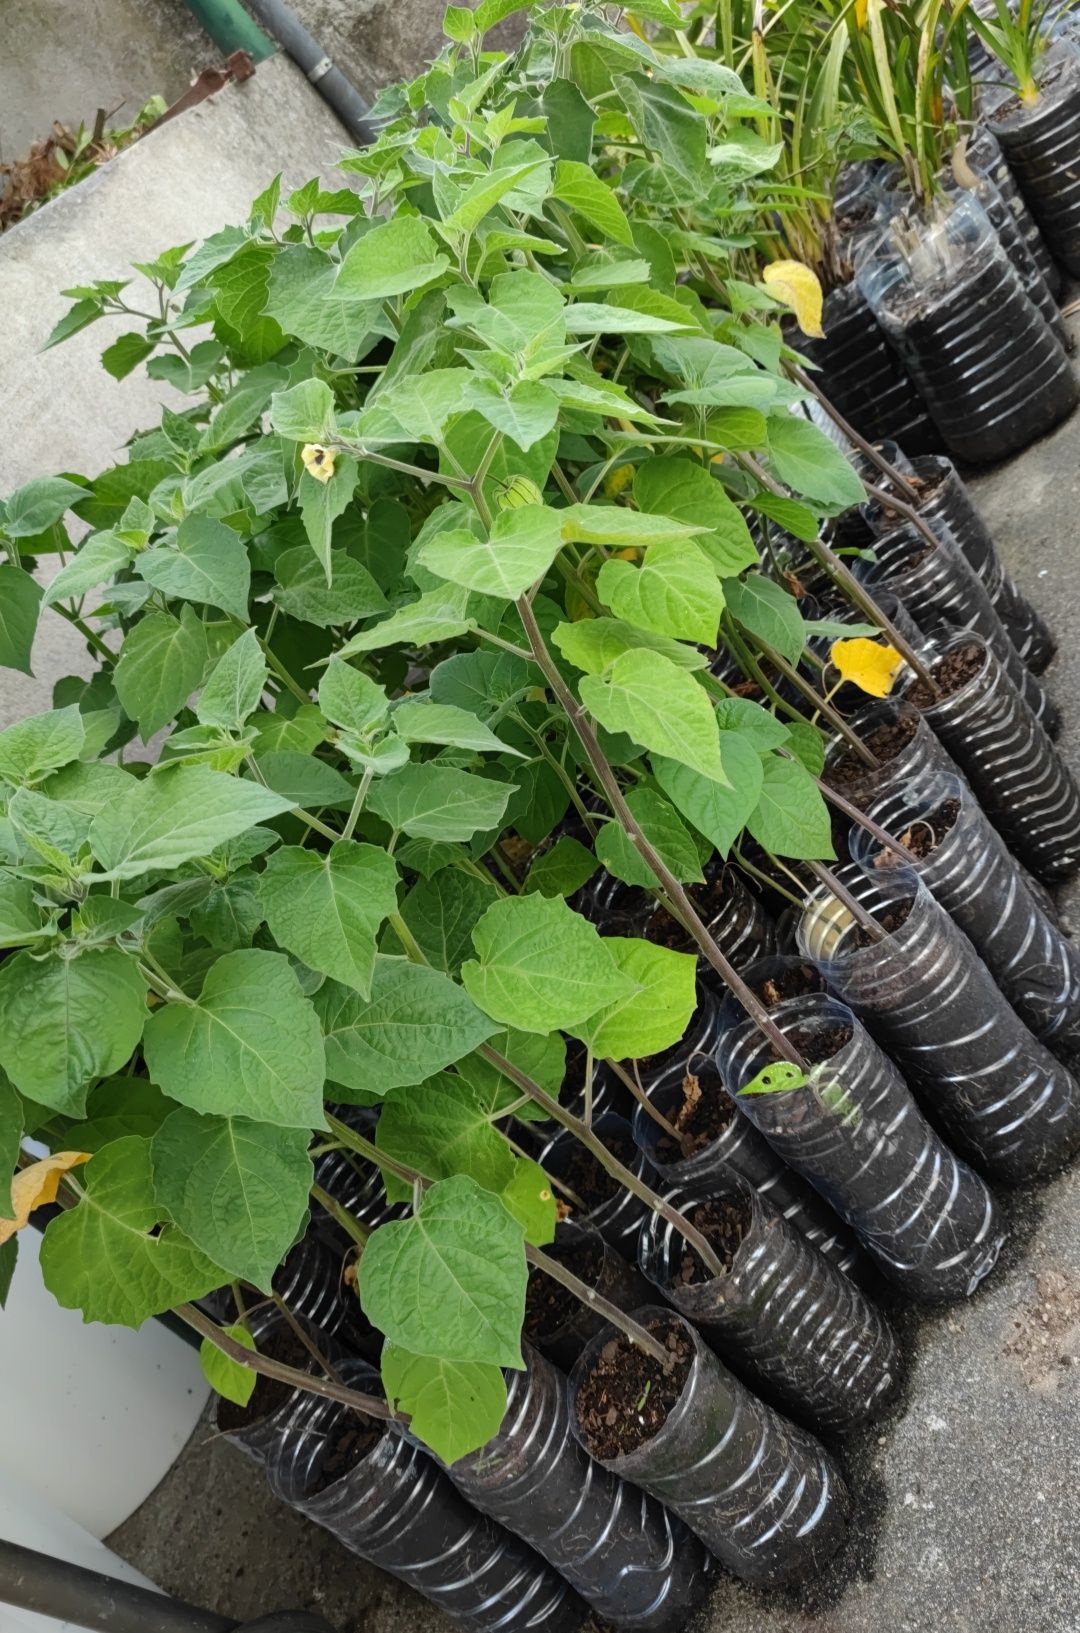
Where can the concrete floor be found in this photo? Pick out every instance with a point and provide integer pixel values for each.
(967, 1505)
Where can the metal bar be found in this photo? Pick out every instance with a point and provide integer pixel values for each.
(70, 1593)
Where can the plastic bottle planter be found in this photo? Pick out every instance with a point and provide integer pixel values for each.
(782, 1314)
(971, 873)
(938, 586)
(991, 372)
(358, 1186)
(733, 916)
(927, 1218)
(906, 747)
(947, 507)
(1021, 781)
(927, 996)
(732, 1144)
(631, 1561)
(986, 158)
(309, 1282)
(387, 1501)
(561, 1329)
(1041, 142)
(259, 1428)
(862, 375)
(1014, 244)
(615, 1212)
(762, 1495)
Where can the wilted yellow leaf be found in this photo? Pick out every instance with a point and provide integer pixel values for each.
(868, 664)
(34, 1186)
(797, 286)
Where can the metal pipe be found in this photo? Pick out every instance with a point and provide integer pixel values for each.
(231, 29)
(337, 91)
(70, 1593)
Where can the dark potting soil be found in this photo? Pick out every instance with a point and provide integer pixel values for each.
(1014, 104)
(584, 1175)
(951, 673)
(928, 490)
(916, 558)
(664, 931)
(818, 1043)
(724, 1223)
(849, 776)
(701, 1118)
(269, 1393)
(549, 1306)
(626, 1397)
(792, 983)
(348, 1443)
(889, 922)
(926, 834)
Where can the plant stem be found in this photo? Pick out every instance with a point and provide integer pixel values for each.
(357, 804)
(821, 704)
(87, 633)
(629, 1079)
(304, 1337)
(845, 578)
(825, 875)
(860, 818)
(352, 1227)
(613, 793)
(369, 1405)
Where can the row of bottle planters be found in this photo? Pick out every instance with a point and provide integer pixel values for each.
(813, 1197)
(948, 338)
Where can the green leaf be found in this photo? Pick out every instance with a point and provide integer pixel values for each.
(438, 615)
(779, 1078)
(592, 318)
(792, 516)
(766, 609)
(562, 870)
(326, 908)
(578, 186)
(235, 685)
(226, 1377)
(396, 256)
(304, 780)
(9, 1258)
(20, 916)
(416, 1022)
(716, 810)
(662, 827)
(20, 598)
(524, 412)
(305, 593)
(615, 525)
(450, 1282)
(40, 503)
(97, 562)
(352, 699)
(443, 1127)
(673, 592)
(304, 300)
(754, 724)
(11, 1133)
(541, 966)
(791, 817)
(321, 503)
(683, 489)
(249, 1046)
(209, 565)
(125, 354)
(442, 913)
(540, 1055)
(482, 195)
(423, 722)
(304, 413)
(163, 661)
(660, 706)
(33, 747)
(455, 1406)
(119, 1106)
(237, 1189)
(432, 801)
(811, 464)
(479, 681)
(67, 1020)
(532, 1202)
(807, 745)
(593, 644)
(656, 1014)
(101, 1258)
(523, 544)
(181, 812)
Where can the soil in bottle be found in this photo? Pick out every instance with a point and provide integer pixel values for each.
(724, 1222)
(627, 1396)
(269, 1394)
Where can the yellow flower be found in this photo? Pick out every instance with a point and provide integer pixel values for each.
(869, 665)
(318, 461)
(619, 479)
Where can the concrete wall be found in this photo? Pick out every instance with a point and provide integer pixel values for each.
(59, 410)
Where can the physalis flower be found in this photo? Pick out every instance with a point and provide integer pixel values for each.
(318, 461)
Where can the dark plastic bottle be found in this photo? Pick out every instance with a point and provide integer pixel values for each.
(618, 1216)
(584, 1251)
(1041, 141)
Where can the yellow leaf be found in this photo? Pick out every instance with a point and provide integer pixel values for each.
(318, 461)
(797, 286)
(861, 9)
(620, 478)
(871, 667)
(34, 1186)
